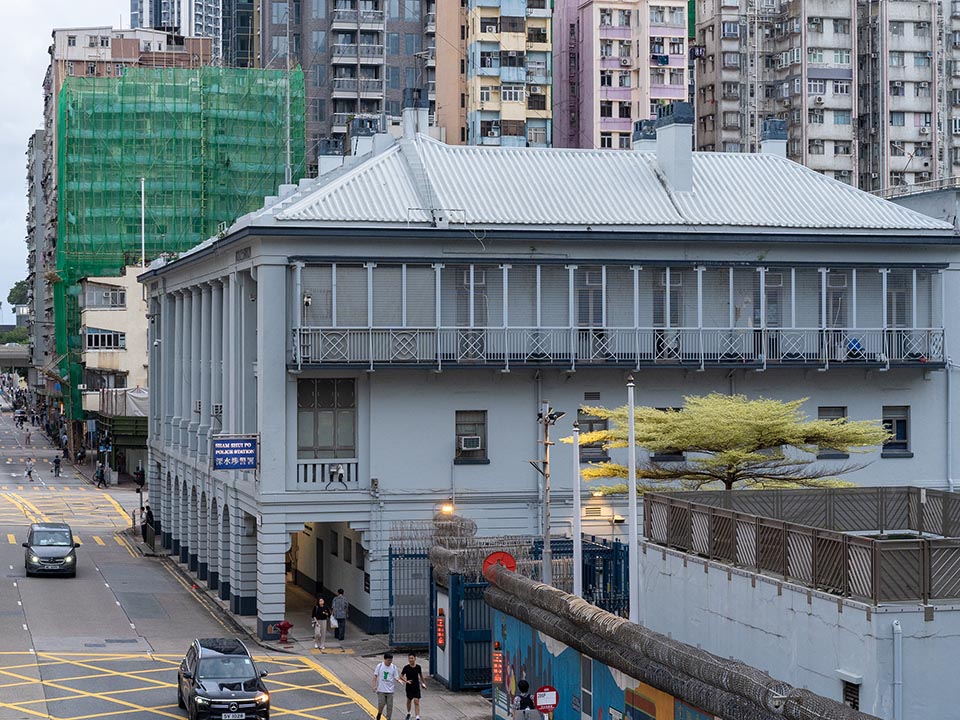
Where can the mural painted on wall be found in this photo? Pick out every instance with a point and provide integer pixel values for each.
(588, 689)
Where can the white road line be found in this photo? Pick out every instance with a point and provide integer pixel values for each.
(131, 624)
(117, 602)
(24, 626)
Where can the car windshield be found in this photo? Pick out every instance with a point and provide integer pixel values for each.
(51, 538)
(225, 668)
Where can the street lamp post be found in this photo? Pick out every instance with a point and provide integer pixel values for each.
(577, 530)
(633, 547)
(547, 417)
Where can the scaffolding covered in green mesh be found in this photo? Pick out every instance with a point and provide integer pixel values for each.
(209, 142)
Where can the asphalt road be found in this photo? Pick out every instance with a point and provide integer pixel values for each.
(108, 642)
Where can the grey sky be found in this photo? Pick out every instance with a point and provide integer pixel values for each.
(23, 57)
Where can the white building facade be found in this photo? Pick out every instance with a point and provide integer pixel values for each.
(388, 331)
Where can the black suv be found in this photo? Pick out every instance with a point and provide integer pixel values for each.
(218, 680)
(50, 550)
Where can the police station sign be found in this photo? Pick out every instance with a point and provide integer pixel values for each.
(235, 452)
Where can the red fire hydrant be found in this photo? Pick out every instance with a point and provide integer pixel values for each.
(284, 627)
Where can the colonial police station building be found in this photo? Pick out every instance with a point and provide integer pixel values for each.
(388, 330)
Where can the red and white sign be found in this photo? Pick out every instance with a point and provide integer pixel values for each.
(500, 558)
(546, 699)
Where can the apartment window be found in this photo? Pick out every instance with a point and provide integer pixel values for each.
(844, 176)
(624, 111)
(921, 59)
(593, 452)
(841, 87)
(841, 117)
(412, 43)
(489, 59)
(678, 16)
(91, 68)
(486, 92)
(897, 119)
(71, 40)
(512, 93)
(97, 339)
(278, 12)
(606, 48)
(104, 41)
(897, 150)
(896, 27)
(606, 109)
(105, 296)
(623, 80)
(471, 437)
(347, 550)
(921, 29)
(326, 418)
(814, 55)
(815, 147)
(606, 78)
(537, 101)
(512, 58)
(606, 17)
(118, 70)
(896, 88)
(676, 77)
(606, 140)
(361, 557)
(842, 147)
(897, 58)
(921, 149)
(623, 141)
(676, 46)
(896, 419)
(922, 119)
(922, 89)
(815, 116)
(816, 87)
(897, 178)
(657, 15)
(537, 135)
(841, 57)
(841, 27)
(92, 41)
(71, 69)
(731, 59)
(815, 24)
(831, 413)
(731, 147)
(625, 18)
(334, 543)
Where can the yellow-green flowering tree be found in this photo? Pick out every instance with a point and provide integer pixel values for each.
(730, 441)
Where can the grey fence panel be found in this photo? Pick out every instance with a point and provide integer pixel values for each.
(951, 515)
(700, 532)
(860, 574)
(857, 510)
(659, 512)
(680, 526)
(409, 598)
(800, 555)
(829, 572)
(900, 570)
(944, 569)
(724, 536)
(771, 546)
(746, 543)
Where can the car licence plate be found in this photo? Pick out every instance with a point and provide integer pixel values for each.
(233, 716)
(50, 567)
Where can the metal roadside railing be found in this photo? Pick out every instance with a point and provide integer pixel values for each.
(877, 545)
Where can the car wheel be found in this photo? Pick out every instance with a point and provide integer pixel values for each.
(29, 574)
(73, 574)
(180, 702)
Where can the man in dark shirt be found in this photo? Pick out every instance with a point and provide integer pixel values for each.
(413, 674)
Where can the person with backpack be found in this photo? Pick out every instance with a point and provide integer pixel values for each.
(56, 466)
(523, 701)
(385, 678)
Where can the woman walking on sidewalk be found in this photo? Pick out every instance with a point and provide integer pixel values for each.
(321, 616)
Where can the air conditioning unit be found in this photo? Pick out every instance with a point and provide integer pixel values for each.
(217, 410)
(593, 278)
(924, 131)
(196, 406)
(818, 99)
(536, 90)
(81, 387)
(470, 442)
(676, 279)
(479, 278)
(493, 133)
(836, 280)
(490, 28)
(773, 280)
(624, 62)
(787, 102)
(897, 83)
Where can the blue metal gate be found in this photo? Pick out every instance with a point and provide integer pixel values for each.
(409, 586)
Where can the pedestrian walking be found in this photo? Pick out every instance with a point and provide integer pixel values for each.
(385, 679)
(100, 476)
(30, 465)
(341, 608)
(413, 674)
(26, 438)
(321, 617)
(56, 466)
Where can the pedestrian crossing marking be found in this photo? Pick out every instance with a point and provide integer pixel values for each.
(77, 540)
(98, 540)
(11, 538)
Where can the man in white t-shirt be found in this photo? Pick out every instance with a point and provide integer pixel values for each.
(385, 679)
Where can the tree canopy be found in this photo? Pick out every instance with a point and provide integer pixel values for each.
(18, 293)
(730, 441)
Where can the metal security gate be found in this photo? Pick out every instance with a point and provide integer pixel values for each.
(470, 632)
(409, 598)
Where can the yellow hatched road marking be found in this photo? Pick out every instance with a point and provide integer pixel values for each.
(120, 511)
(361, 701)
(77, 540)
(33, 508)
(11, 538)
(101, 542)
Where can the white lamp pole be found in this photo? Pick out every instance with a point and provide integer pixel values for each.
(143, 223)
(577, 530)
(633, 547)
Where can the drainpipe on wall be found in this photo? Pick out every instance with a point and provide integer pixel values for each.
(949, 426)
(897, 671)
(536, 447)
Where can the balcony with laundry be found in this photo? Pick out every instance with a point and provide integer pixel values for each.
(616, 315)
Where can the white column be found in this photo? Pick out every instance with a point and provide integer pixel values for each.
(175, 340)
(271, 386)
(853, 300)
(167, 348)
(203, 420)
(195, 367)
(186, 374)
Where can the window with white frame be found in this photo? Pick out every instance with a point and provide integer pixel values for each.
(842, 147)
(99, 339)
(814, 55)
(834, 414)
(841, 87)
(606, 140)
(841, 56)
(816, 86)
(841, 26)
(470, 432)
(841, 117)
(897, 58)
(896, 420)
(512, 93)
(922, 59)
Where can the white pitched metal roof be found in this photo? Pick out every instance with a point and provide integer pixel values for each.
(613, 189)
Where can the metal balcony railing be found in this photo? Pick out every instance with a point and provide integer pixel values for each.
(327, 474)
(689, 347)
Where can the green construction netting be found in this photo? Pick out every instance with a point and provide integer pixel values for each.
(210, 143)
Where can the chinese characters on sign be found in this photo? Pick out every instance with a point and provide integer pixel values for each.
(235, 453)
(441, 630)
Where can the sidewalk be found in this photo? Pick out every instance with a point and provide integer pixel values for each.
(352, 661)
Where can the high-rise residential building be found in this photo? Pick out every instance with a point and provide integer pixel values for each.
(358, 57)
(616, 61)
(35, 240)
(241, 33)
(507, 69)
(121, 105)
(861, 85)
(192, 18)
